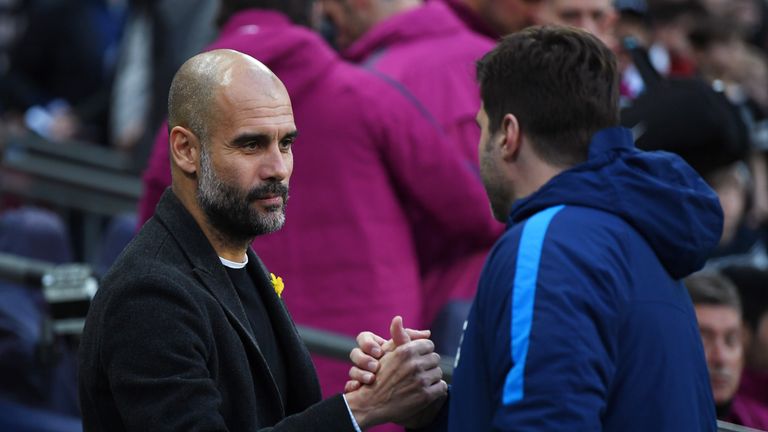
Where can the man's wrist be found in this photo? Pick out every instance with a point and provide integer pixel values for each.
(360, 411)
(355, 423)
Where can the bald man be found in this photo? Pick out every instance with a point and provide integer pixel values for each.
(188, 331)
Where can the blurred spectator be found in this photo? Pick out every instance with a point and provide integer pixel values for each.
(595, 16)
(745, 15)
(61, 68)
(752, 284)
(429, 51)
(156, 42)
(718, 312)
(496, 18)
(719, 51)
(671, 23)
(367, 159)
(12, 22)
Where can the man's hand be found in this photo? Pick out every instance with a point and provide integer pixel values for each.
(370, 349)
(405, 383)
(408, 379)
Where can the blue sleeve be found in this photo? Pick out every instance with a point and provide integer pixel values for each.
(546, 308)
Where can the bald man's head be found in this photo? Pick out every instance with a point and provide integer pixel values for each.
(231, 131)
(194, 88)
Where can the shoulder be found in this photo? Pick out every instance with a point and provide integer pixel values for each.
(561, 246)
(151, 265)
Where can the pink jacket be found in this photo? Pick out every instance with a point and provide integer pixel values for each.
(368, 162)
(433, 55)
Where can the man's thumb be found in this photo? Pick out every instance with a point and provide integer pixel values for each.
(397, 330)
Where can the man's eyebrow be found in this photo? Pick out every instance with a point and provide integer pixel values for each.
(248, 138)
(292, 134)
(260, 138)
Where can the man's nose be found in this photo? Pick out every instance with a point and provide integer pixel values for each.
(717, 353)
(275, 164)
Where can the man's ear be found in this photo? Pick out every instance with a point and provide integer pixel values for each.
(185, 149)
(512, 137)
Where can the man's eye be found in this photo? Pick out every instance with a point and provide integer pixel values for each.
(286, 143)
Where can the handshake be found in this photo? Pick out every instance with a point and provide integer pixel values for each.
(397, 380)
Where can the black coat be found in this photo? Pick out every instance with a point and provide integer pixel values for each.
(167, 347)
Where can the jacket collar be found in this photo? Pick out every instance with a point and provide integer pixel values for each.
(431, 20)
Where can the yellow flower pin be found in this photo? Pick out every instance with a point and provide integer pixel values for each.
(277, 284)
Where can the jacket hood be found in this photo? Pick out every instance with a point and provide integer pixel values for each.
(657, 193)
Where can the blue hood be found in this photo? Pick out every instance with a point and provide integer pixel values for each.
(657, 193)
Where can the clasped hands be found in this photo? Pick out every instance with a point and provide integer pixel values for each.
(397, 380)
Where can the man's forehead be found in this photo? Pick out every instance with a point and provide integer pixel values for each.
(717, 315)
(582, 4)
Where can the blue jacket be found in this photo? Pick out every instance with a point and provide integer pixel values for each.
(580, 321)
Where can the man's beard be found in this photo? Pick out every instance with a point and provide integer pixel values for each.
(495, 188)
(228, 208)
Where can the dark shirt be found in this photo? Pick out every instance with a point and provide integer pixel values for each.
(261, 326)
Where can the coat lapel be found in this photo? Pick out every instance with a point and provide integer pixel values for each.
(212, 275)
(302, 376)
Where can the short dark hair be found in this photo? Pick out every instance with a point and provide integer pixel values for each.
(714, 289)
(560, 82)
(297, 10)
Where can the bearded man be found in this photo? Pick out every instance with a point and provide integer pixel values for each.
(188, 331)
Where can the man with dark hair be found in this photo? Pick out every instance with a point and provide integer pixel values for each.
(188, 332)
(718, 311)
(371, 161)
(580, 321)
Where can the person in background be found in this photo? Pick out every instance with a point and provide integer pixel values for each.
(426, 49)
(595, 16)
(718, 312)
(156, 41)
(61, 68)
(751, 283)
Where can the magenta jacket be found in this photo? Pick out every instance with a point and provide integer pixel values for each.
(747, 412)
(433, 55)
(368, 161)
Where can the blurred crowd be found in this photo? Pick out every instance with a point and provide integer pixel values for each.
(387, 206)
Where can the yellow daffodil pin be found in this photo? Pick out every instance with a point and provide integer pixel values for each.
(277, 284)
